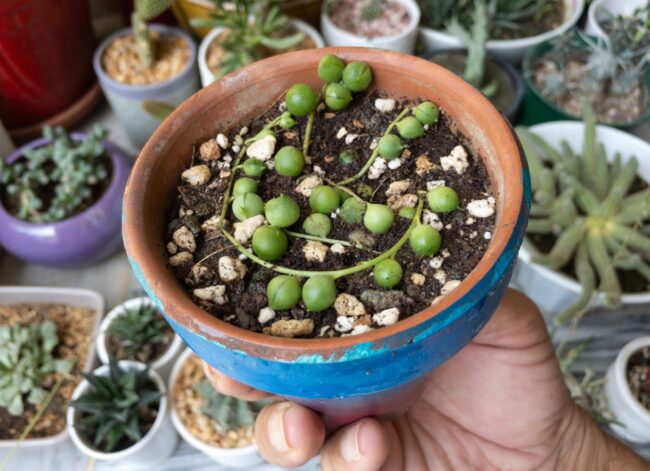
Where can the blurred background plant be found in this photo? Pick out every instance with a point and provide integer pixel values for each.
(144, 11)
(371, 9)
(57, 180)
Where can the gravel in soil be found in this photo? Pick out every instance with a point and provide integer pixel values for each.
(75, 329)
(638, 376)
(189, 406)
(122, 63)
(465, 238)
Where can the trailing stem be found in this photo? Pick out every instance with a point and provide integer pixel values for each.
(310, 124)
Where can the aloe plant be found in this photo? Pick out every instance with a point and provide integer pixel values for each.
(143, 11)
(252, 25)
(26, 360)
(586, 203)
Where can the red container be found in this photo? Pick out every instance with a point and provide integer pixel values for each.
(46, 50)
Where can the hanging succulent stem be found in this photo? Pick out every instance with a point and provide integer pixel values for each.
(375, 152)
(310, 124)
(322, 239)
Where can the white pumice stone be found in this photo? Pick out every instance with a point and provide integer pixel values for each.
(243, 131)
(343, 324)
(262, 149)
(244, 230)
(385, 105)
(436, 262)
(487, 235)
(350, 138)
(315, 251)
(222, 141)
(242, 257)
(172, 248)
(318, 170)
(236, 148)
(374, 143)
(445, 253)
(423, 165)
(197, 175)
(224, 174)
(426, 127)
(231, 269)
(470, 221)
(211, 225)
(398, 187)
(432, 219)
(184, 238)
(448, 226)
(377, 168)
(341, 133)
(238, 140)
(386, 317)
(473, 234)
(359, 329)
(480, 208)
(449, 287)
(435, 184)
(200, 272)
(440, 276)
(215, 294)
(209, 151)
(348, 305)
(456, 160)
(418, 279)
(394, 164)
(266, 314)
(306, 186)
(337, 248)
(408, 200)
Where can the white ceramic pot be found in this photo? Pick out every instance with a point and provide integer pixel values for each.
(554, 291)
(73, 297)
(510, 50)
(401, 42)
(207, 76)
(242, 457)
(633, 417)
(157, 445)
(162, 365)
(601, 10)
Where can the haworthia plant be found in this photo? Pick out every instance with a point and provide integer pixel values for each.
(136, 331)
(586, 203)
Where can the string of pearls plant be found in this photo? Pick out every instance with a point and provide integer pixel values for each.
(270, 241)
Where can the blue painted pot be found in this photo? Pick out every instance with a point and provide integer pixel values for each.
(377, 373)
(127, 100)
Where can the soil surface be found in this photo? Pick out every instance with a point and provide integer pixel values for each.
(608, 108)
(189, 406)
(348, 15)
(465, 238)
(638, 376)
(75, 329)
(216, 52)
(122, 63)
(147, 353)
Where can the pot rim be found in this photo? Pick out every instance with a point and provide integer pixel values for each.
(310, 350)
(593, 15)
(182, 429)
(527, 249)
(153, 89)
(144, 441)
(117, 311)
(412, 7)
(115, 153)
(504, 44)
(620, 368)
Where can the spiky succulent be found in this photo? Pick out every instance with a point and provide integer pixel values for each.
(371, 9)
(55, 181)
(26, 361)
(113, 407)
(227, 411)
(143, 11)
(135, 333)
(252, 25)
(586, 203)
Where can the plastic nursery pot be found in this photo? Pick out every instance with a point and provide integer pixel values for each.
(72, 297)
(163, 365)
(377, 373)
(82, 239)
(634, 419)
(403, 41)
(157, 445)
(241, 457)
(510, 95)
(537, 109)
(207, 76)
(602, 10)
(537, 281)
(127, 100)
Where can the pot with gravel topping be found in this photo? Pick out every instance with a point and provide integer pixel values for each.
(371, 226)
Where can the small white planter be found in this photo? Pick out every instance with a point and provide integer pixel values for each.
(207, 76)
(601, 10)
(510, 50)
(242, 457)
(157, 445)
(401, 42)
(551, 290)
(163, 365)
(628, 411)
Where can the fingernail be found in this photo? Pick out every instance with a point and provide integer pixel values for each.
(276, 430)
(350, 450)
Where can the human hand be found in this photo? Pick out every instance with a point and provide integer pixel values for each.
(500, 403)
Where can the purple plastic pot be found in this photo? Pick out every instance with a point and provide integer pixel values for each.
(79, 240)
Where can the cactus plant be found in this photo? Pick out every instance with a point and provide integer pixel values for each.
(135, 333)
(26, 361)
(371, 9)
(586, 203)
(252, 25)
(143, 11)
(55, 181)
(228, 412)
(113, 410)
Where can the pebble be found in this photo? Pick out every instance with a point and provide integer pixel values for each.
(306, 186)
(180, 258)
(440, 276)
(244, 230)
(184, 238)
(432, 219)
(231, 269)
(222, 141)
(291, 328)
(197, 175)
(435, 184)
(418, 279)
(172, 248)
(359, 329)
(480, 208)
(385, 105)
(377, 168)
(404, 201)
(211, 224)
(343, 324)
(209, 151)
(436, 262)
(341, 133)
(398, 187)
(456, 160)
(337, 249)
(266, 314)
(487, 235)
(348, 305)
(449, 286)
(386, 317)
(262, 149)
(215, 294)
(394, 164)
(350, 138)
(423, 165)
(315, 251)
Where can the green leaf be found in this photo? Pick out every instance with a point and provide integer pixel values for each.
(283, 43)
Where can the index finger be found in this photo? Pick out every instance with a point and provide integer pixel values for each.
(228, 386)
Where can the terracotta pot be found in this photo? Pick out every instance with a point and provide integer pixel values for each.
(377, 373)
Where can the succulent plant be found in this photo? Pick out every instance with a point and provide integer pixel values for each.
(371, 9)
(252, 26)
(113, 407)
(143, 11)
(228, 412)
(137, 331)
(586, 203)
(25, 363)
(55, 181)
